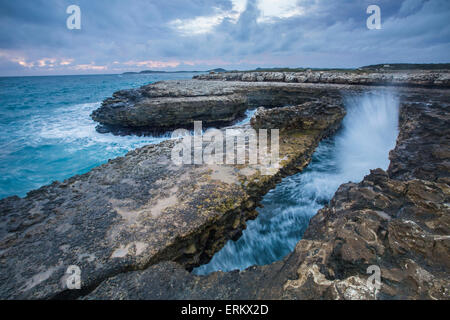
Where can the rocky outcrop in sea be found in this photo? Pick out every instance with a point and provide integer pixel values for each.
(137, 225)
(360, 77)
(224, 97)
(169, 105)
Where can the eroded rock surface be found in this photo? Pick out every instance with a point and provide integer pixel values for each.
(139, 210)
(221, 98)
(398, 220)
(142, 112)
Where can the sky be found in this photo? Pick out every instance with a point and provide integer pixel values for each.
(133, 35)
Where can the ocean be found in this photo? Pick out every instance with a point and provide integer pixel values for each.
(46, 132)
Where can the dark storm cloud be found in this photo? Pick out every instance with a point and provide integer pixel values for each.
(120, 35)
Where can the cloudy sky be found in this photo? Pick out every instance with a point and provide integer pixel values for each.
(133, 35)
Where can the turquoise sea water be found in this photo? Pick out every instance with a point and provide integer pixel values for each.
(46, 133)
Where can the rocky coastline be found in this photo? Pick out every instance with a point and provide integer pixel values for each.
(416, 78)
(219, 99)
(137, 225)
(397, 219)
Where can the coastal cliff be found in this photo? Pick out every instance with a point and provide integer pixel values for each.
(137, 225)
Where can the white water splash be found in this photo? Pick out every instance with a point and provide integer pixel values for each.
(368, 134)
(75, 126)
